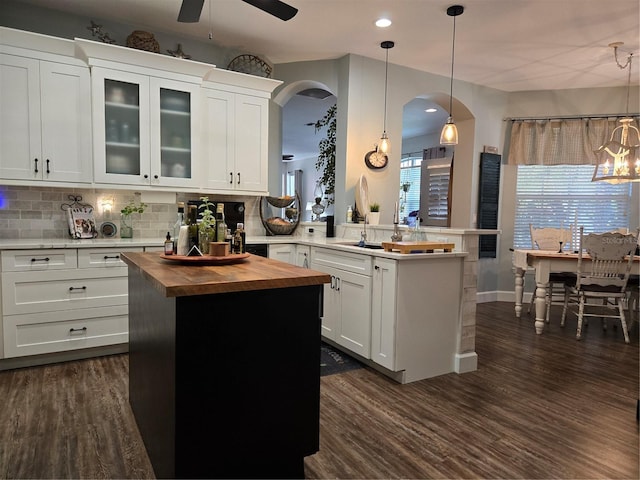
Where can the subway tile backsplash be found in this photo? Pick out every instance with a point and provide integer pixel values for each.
(36, 212)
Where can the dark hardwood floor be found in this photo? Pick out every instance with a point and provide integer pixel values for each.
(543, 406)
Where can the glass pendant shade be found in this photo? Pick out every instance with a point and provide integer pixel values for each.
(385, 145)
(449, 135)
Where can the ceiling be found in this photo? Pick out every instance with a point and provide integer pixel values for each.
(511, 45)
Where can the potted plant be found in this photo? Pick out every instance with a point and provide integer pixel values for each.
(326, 161)
(207, 226)
(126, 223)
(374, 214)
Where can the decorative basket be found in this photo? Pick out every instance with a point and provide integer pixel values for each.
(278, 225)
(142, 40)
(280, 202)
(250, 64)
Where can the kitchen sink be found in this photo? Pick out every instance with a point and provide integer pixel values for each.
(372, 246)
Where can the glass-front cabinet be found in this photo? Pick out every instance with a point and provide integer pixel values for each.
(144, 128)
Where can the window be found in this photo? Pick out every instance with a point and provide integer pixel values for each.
(555, 195)
(409, 199)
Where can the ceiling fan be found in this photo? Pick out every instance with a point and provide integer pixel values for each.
(191, 9)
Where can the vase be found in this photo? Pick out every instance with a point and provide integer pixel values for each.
(374, 218)
(126, 226)
(205, 237)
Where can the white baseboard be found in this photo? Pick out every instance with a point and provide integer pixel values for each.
(466, 362)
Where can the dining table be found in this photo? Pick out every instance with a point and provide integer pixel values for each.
(546, 262)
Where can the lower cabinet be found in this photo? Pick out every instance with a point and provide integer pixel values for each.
(282, 251)
(383, 313)
(56, 300)
(347, 299)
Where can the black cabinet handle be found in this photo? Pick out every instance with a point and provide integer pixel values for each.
(338, 281)
(48, 169)
(332, 284)
(238, 178)
(46, 259)
(73, 330)
(155, 176)
(146, 176)
(230, 178)
(107, 257)
(376, 267)
(71, 289)
(36, 162)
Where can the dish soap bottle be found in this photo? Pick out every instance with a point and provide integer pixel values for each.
(349, 214)
(168, 245)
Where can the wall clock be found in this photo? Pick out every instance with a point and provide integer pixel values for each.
(376, 160)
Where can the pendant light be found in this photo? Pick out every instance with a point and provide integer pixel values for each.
(385, 145)
(622, 149)
(449, 135)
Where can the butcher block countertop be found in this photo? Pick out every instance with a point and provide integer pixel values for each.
(174, 279)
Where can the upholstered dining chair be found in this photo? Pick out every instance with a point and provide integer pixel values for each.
(549, 238)
(601, 283)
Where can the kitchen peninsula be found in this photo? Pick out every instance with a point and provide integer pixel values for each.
(224, 375)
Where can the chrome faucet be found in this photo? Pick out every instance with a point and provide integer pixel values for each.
(363, 235)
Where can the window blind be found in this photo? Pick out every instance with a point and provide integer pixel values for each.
(555, 195)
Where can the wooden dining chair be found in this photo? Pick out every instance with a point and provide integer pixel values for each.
(548, 238)
(601, 283)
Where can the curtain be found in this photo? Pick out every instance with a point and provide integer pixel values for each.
(559, 141)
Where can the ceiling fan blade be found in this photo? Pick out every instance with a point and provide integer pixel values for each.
(190, 11)
(274, 7)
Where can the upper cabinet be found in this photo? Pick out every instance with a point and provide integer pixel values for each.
(145, 129)
(236, 131)
(45, 110)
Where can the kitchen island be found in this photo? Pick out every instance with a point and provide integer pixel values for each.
(224, 366)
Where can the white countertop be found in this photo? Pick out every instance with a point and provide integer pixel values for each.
(341, 244)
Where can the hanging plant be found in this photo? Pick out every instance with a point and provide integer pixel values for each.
(326, 162)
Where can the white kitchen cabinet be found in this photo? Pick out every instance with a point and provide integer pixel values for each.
(285, 252)
(347, 298)
(45, 117)
(415, 307)
(236, 131)
(302, 256)
(383, 312)
(56, 300)
(145, 129)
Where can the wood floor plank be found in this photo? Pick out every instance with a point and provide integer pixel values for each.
(538, 407)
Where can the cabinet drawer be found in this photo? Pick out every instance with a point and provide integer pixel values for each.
(102, 257)
(33, 292)
(350, 262)
(38, 260)
(39, 333)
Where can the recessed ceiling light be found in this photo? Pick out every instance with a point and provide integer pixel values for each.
(383, 22)
(431, 110)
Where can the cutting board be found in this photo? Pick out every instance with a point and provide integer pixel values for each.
(416, 247)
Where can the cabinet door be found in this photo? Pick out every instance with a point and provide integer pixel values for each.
(354, 327)
(20, 134)
(121, 127)
(219, 138)
(251, 141)
(282, 252)
(383, 313)
(302, 256)
(66, 122)
(174, 131)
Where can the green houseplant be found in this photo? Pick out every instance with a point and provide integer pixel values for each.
(126, 223)
(374, 214)
(326, 161)
(207, 226)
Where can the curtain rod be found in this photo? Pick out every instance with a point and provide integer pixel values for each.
(571, 117)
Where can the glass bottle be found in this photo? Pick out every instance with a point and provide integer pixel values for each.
(221, 226)
(177, 225)
(168, 245)
(192, 221)
(239, 239)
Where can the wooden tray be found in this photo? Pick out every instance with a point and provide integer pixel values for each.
(208, 259)
(417, 247)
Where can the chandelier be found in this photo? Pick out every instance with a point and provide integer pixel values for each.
(449, 135)
(622, 160)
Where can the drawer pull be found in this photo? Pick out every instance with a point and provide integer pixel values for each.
(107, 257)
(71, 289)
(74, 330)
(45, 259)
